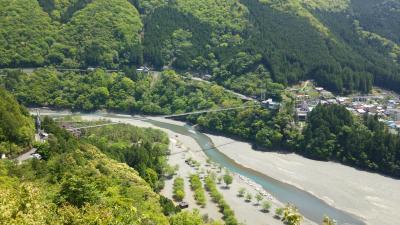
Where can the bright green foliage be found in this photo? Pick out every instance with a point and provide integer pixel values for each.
(241, 192)
(105, 33)
(259, 198)
(343, 45)
(333, 133)
(328, 5)
(291, 216)
(266, 206)
(77, 184)
(264, 127)
(328, 221)
(168, 206)
(197, 187)
(186, 218)
(144, 150)
(278, 212)
(179, 189)
(217, 197)
(26, 33)
(62, 9)
(165, 94)
(219, 13)
(248, 197)
(16, 126)
(228, 179)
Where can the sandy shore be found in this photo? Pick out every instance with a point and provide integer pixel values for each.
(374, 197)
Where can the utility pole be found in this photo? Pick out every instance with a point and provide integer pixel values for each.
(38, 123)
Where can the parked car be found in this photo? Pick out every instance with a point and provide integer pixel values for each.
(183, 205)
(36, 156)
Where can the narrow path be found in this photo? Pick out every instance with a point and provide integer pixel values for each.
(27, 155)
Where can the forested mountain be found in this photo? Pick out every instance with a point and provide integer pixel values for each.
(345, 45)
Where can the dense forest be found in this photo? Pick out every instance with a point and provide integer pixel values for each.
(333, 133)
(165, 93)
(246, 45)
(16, 126)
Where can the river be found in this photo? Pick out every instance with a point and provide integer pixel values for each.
(310, 206)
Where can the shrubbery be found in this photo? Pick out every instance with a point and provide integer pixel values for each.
(197, 187)
(225, 209)
(179, 189)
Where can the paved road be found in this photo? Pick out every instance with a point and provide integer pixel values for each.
(26, 156)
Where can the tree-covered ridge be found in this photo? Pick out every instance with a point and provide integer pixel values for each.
(225, 14)
(293, 39)
(164, 94)
(333, 133)
(326, 5)
(104, 33)
(379, 16)
(62, 10)
(384, 45)
(16, 126)
(296, 7)
(146, 7)
(26, 33)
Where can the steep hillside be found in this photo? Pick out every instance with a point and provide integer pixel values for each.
(26, 33)
(62, 10)
(16, 126)
(345, 45)
(104, 33)
(79, 186)
(74, 183)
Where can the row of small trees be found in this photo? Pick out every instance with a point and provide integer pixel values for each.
(228, 214)
(197, 187)
(288, 214)
(178, 189)
(265, 205)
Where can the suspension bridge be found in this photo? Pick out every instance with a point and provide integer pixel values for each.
(71, 128)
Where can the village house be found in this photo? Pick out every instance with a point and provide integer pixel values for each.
(143, 69)
(393, 113)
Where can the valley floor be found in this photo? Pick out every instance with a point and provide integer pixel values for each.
(248, 213)
(373, 197)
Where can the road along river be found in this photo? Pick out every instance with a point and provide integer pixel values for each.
(310, 206)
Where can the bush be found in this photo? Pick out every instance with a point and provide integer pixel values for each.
(197, 187)
(266, 206)
(241, 192)
(178, 189)
(225, 209)
(168, 206)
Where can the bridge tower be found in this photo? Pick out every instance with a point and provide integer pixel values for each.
(38, 122)
(263, 93)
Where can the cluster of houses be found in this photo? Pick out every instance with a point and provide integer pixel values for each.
(387, 108)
